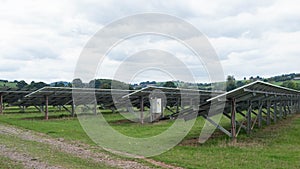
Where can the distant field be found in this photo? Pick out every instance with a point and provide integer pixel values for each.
(280, 83)
(8, 84)
(276, 146)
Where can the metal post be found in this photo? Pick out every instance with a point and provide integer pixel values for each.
(1, 103)
(284, 110)
(46, 108)
(280, 110)
(95, 108)
(233, 123)
(268, 112)
(249, 120)
(177, 106)
(275, 112)
(260, 115)
(72, 109)
(142, 110)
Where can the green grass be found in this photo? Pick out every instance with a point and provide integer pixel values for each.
(276, 146)
(46, 153)
(9, 164)
(8, 84)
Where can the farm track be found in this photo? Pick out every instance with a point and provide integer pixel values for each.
(26, 160)
(76, 149)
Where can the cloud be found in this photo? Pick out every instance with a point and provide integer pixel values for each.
(42, 40)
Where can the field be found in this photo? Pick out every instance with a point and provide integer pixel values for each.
(275, 146)
(8, 84)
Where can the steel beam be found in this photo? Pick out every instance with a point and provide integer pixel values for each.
(217, 125)
(142, 109)
(46, 107)
(268, 112)
(233, 120)
(260, 115)
(275, 112)
(249, 120)
(1, 103)
(72, 109)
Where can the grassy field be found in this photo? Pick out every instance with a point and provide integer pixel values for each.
(8, 84)
(275, 146)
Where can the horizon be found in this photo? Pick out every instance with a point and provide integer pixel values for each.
(250, 38)
(162, 81)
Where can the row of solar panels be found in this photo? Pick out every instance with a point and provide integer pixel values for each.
(107, 97)
(65, 96)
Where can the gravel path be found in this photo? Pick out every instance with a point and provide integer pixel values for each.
(78, 150)
(26, 160)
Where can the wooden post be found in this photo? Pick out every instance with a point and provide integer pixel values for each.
(142, 110)
(1, 103)
(46, 107)
(233, 122)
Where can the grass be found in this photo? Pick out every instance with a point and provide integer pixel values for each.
(9, 164)
(46, 153)
(8, 84)
(275, 146)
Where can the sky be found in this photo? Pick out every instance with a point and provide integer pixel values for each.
(43, 40)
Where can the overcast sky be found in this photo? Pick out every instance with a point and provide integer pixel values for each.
(42, 40)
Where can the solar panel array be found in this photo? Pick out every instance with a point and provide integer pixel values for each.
(260, 100)
(12, 96)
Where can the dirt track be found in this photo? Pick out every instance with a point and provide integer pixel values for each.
(78, 150)
(75, 149)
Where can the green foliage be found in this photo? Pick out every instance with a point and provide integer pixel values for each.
(170, 84)
(108, 84)
(230, 83)
(291, 84)
(21, 84)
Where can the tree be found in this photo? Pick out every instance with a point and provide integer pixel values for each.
(38, 85)
(77, 83)
(170, 84)
(239, 83)
(59, 84)
(230, 84)
(21, 84)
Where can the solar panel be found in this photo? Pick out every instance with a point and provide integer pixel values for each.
(171, 95)
(12, 95)
(64, 95)
(258, 102)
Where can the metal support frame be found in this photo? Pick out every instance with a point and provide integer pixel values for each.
(142, 109)
(233, 120)
(261, 104)
(39, 109)
(1, 103)
(275, 112)
(268, 112)
(46, 107)
(217, 125)
(249, 120)
(72, 111)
